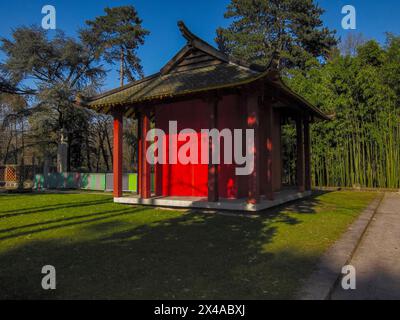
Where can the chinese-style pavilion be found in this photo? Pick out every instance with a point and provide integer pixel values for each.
(200, 88)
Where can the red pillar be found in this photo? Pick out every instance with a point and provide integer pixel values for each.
(307, 153)
(213, 195)
(145, 191)
(253, 122)
(139, 153)
(300, 154)
(117, 154)
(270, 151)
(158, 168)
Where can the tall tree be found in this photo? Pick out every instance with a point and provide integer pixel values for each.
(349, 45)
(13, 114)
(117, 35)
(391, 67)
(361, 146)
(289, 31)
(57, 69)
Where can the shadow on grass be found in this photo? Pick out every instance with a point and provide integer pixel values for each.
(65, 222)
(306, 205)
(45, 208)
(193, 256)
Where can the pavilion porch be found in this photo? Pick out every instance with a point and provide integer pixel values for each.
(202, 88)
(281, 197)
(255, 198)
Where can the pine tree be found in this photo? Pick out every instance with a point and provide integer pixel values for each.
(117, 36)
(288, 31)
(55, 69)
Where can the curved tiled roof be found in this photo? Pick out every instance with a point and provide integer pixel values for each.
(178, 83)
(197, 67)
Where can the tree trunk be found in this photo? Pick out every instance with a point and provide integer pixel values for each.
(8, 148)
(16, 143)
(121, 70)
(103, 151)
(89, 165)
(69, 153)
(97, 159)
(22, 149)
(110, 149)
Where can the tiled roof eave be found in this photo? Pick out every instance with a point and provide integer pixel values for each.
(190, 73)
(94, 105)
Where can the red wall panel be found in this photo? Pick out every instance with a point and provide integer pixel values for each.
(183, 179)
(191, 179)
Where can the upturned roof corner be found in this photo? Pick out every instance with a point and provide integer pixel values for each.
(186, 33)
(196, 69)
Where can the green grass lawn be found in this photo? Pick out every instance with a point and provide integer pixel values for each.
(106, 250)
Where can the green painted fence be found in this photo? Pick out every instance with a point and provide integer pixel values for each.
(85, 181)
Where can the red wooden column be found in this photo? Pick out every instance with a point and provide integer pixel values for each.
(300, 154)
(213, 195)
(269, 125)
(253, 122)
(117, 154)
(144, 173)
(158, 168)
(307, 153)
(139, 152)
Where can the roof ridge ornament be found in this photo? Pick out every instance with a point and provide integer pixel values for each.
(196, 42)
(186, 33)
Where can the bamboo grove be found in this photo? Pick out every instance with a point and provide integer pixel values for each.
(360, 147)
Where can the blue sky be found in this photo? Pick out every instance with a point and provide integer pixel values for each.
(374, 18)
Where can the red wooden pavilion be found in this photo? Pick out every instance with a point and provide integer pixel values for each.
(200, 87)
